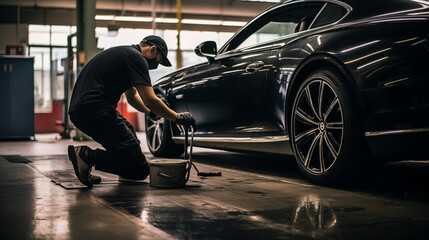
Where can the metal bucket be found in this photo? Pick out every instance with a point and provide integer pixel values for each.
(168, 173)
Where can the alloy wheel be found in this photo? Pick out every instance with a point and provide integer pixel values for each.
(317, 126)
(155, 133)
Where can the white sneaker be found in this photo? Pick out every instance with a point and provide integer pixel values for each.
(82, 168)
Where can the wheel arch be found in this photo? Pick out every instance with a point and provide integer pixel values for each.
(309, 65)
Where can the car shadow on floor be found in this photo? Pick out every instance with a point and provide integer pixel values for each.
(404, 179)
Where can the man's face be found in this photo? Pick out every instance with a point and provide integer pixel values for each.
(158, 56)
(154, 57)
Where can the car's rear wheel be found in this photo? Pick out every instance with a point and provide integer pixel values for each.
(159, 139)
(326, 131)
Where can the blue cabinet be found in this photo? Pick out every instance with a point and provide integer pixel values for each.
(16, 97)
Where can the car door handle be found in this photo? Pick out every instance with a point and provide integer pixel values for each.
(253, 67)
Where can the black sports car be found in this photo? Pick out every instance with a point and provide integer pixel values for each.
(334, 83)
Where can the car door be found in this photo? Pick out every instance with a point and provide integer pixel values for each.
(226, 95)
(230, 95)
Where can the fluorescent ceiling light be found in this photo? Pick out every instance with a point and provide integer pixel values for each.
(269, 1)
(104, 17)
(123, 18)
(233, 23)
(133, 19)
(168, 20)
(201, 21)
(213, 22)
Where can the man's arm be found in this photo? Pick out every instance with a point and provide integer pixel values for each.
(156, 105)
(135, 101)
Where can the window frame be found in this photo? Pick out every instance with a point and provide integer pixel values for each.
(225, 49)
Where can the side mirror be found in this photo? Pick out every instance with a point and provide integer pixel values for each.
(207, 49)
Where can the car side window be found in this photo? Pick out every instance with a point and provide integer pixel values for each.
(272, 30)
(330, 13)
(281, 22)
(287, 20)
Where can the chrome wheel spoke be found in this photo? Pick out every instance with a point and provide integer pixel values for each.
(321, 157)
(321, 88)
(335, 125)
(330, 146)
(305, 134)
(159, 135)
(301, 114)
(310, 101)
(311, 151)
(331, 106)
(149, 129)
(332, 139)
(154, 139)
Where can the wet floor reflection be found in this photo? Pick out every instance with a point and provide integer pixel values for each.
(16, 201)
(232, 208)
(193, 216)
(51, 219)
(88, 219)
(315, 217)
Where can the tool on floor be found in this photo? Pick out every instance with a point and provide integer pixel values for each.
(173, 173)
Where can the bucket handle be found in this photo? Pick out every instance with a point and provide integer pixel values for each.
(161, 174)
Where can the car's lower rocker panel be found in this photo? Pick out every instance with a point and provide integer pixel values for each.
(271, 144)
(407, 144)
(391, 132)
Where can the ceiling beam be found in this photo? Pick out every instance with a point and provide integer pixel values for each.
(58, 16)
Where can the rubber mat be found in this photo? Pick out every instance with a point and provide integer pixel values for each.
(60, 170)
(68, 180)
(65, 179)
(15, 158)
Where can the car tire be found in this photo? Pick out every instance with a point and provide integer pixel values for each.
(159, 139)
(326, 131)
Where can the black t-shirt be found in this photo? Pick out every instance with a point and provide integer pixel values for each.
(106, 76)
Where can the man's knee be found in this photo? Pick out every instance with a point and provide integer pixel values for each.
(138, 171)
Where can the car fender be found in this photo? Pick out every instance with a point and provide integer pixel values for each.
(311, 63)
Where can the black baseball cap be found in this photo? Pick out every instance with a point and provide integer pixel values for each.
(160, 45)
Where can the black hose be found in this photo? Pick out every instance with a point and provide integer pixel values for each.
(189, 157)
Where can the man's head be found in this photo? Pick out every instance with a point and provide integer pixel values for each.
(154, 47)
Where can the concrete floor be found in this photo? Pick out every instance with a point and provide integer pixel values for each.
(257, 197)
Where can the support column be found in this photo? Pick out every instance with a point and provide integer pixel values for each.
(86, 40)
(179, 28)
(153, 3)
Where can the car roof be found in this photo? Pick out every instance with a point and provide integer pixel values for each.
(364, 9)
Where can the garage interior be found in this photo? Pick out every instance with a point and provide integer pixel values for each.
(257, 197)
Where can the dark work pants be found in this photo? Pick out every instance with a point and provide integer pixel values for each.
(123, 155)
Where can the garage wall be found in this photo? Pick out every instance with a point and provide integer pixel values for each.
(9, 35)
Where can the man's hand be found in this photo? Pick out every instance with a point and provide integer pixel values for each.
(186, 119)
